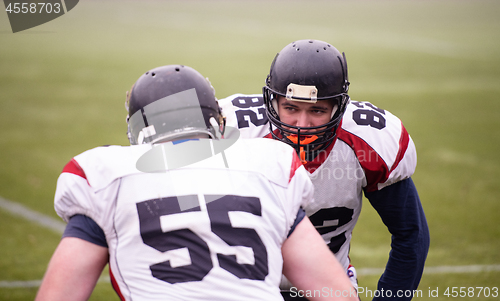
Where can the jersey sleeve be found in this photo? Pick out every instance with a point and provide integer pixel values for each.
(401, 211)
(300, 216)
(382, 145)
(83, 227)
(245, 114)
(73, 192)
(88, 182)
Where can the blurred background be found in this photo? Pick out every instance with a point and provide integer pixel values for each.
(434, 64)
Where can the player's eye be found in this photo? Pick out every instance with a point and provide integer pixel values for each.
(319, 111)
(290, 108)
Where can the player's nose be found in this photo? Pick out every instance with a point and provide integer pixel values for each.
(303, 120)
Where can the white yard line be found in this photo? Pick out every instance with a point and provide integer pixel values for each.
(36, 283)
(33, 216)
(464, 269)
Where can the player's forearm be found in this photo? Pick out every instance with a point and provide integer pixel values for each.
(312, 268)
(401, 211)
(405, 266)
(73, 271)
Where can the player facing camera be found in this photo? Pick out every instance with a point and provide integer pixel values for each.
(172, 102)
(349, 149)
(306, 95)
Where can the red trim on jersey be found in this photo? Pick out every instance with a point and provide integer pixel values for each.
(311, 166)
(376, 170)
(74, 168)
(115, 285)
(270, 136)
(295, 165)
(404, 140)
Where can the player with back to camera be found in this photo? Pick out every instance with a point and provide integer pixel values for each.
(224, 228)
(348, 148)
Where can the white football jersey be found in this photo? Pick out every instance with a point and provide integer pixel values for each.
(372, 150)
(211, 230)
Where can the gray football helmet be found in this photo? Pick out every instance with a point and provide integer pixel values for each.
(172, 102)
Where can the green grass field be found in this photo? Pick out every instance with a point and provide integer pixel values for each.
(435, 64)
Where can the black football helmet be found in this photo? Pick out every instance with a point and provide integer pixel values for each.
(172, 102)
(310, 71)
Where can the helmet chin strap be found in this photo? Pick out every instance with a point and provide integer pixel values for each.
(303, 141)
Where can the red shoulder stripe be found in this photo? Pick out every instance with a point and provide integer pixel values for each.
(74, 168)
(295, 165)
(404, 140)
(376, 170)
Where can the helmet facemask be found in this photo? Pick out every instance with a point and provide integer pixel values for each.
(307, 141)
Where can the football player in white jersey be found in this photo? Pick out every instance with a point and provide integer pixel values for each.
(348, 148)
(183, 215)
